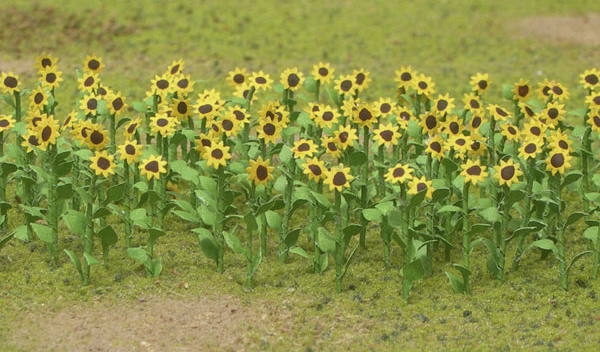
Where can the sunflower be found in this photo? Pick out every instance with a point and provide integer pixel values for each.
(162, 85)
(81, 130)
(44, 61)
(163, 124)
(209, 104)
(345, 84)
(435, 147)
(544, 88)
(175, 68)
(204, 141)
(32, 140)
(130, 151)
(338, 178)
(274, 112)
(331, 147)
(534, 129)
(9, 82)
(404, 115)
(259, 171)
(93, 63)
(304, 148)
(365, 115)
(480, 82)
(418, 185)
(558, 91)
(88, 82)
(472, 102)
(405, 77)
(116, 103)
(498, 112)
(292, 79)
(361, 79)
(350, 106)
(558, 161)
(531, 148)
(593, 101)
(183, 84)
(477, 120)
(510, 131)
(326, 116)
(39, 98)
(430, 123)
(47, 131)
(269, 131)
(97, 137)
(476, 146)
(89, 104)
(590, 79)
(507, 172)
(594, 120)
(181, 108)
(560, 141)
(443, 104)
(345, 136)
(453, 125)
(217, 154)
(386, 135)
(401, 173)
(238, 77)
(553, 113)
(51, 77)
(260, 80)
(526, 109)
(152, 167)
(473, 172)
(229, 125)
(102, 91)
(460, 144)
(131, 127)
(240, 114)
(102, 163)
(323, 72)
(384, 107)
(6, 123)
(34, 118)
(315, 169)
(424, 85)
(521, 90)
(243, 92)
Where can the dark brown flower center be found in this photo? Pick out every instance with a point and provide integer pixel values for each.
(182, 107)
(557, 160)
(35, 121)
(51, 77)
(511, 130)
(217, 154)
(474, 104)
(89, 81)
(33, 140)
(460, 141)
(92, 104)
(343, 137)
(501, 112)
(476, 122)
(339, 179)
(4, 123)
(360, 78)
(386, 135)
(323, 71)
(239, 78)
(103, 163)
(293, 80)
(557, 90)
(227, 125)
(421, 186)
(162, 122)
(303, 147)
(315, 169)
(523, 91)
(174, 69)
(205, 109)
(385, 108)
(563, 144)
(398, 172)
(591, 79)
(536, 131)
(422, 85)
(117, 104)
(332, 147)
(435, 146)
(240, 116)
(530, 148)
(38, 98)
(46, 133)
(131, 128)
(130, 149)
(474, 170)
(406, 76)
(596, 119)
(454, 127)
(93, 64)
(269, 129)
(507, 172)
(442, 105)
(97, 137)
(405, 116)
(327, 116)
(183, 83)
(345, 85)
(364, 114)
(46, 62)
(260, 80)
(596, 100)
(430, 122)
(553, 113)
(262, 173)
(482, 84)
(152, 166)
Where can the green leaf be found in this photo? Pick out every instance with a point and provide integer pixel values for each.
(209, 217)
(373, 215)
(7, 168)
(280, 184)
(395, 218)
(76, 222)
(358, 158)
(90, 260)
(100, 213)
(139, 106)
(310, 84)
(108, 238)
(439, 195)
(154, 234)
(573, 218)
(352, 230)
(64, 191)
(515, 196)
(417, 199)
(292, 237)
(385, 207)
(324, 241)
(6, 239)
(267, 206)
(491, 214)
(507, 91)
(75, 259)
(321, 199)
(44, 232)
(285, 155)
(138, 254)
(449, 165)
(115, 193)
(207, 243)
(233, 242)
(208, 184)
(139, 218)
(457, 284)
(20, 233)
(591, 233)
(250, 221)
(570, 178)
(593, 197)
(546, 244)
(273, 219)
(477, 228)
(449, 208)
(301, 252)
(411, 273)
(187, 173)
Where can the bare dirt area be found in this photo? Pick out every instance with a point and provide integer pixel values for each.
(574, 29)
(153, 324)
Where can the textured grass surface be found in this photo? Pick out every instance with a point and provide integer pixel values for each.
(449, 40)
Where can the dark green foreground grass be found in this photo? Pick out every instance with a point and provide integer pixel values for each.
(449, 40)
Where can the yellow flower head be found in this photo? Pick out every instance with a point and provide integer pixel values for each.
(102, 163)
(345, 136)
(473, 172)
(558, 161)
(418, 185)
(130, 151)
(152, 167)
(216, 155)
(590, 79)
(259, 171)
(93, 63)
(386, 135)
(51, 77)
(405, 77)
(175, 68)
(238, 77)
(260, 80)
(521, 90)
(304, 148)
(9, 82)
(345, 84)
(443, 104)
(323, 72)
(361, 79)
(315, 169)
(292, 79)
(480, 82)
(6, 123)
(507, 172)
(44, 61)
(401, 173)
(338, 178)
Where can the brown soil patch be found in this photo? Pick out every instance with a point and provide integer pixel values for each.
(575, 29)
(153, 324)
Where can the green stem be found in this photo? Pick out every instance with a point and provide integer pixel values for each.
(466, 240)
(127, 192)
(503, 236)
(339, 248)
(364, 189)
(289, 190)
(89, 234)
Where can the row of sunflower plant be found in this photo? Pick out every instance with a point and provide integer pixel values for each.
(423, 171)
